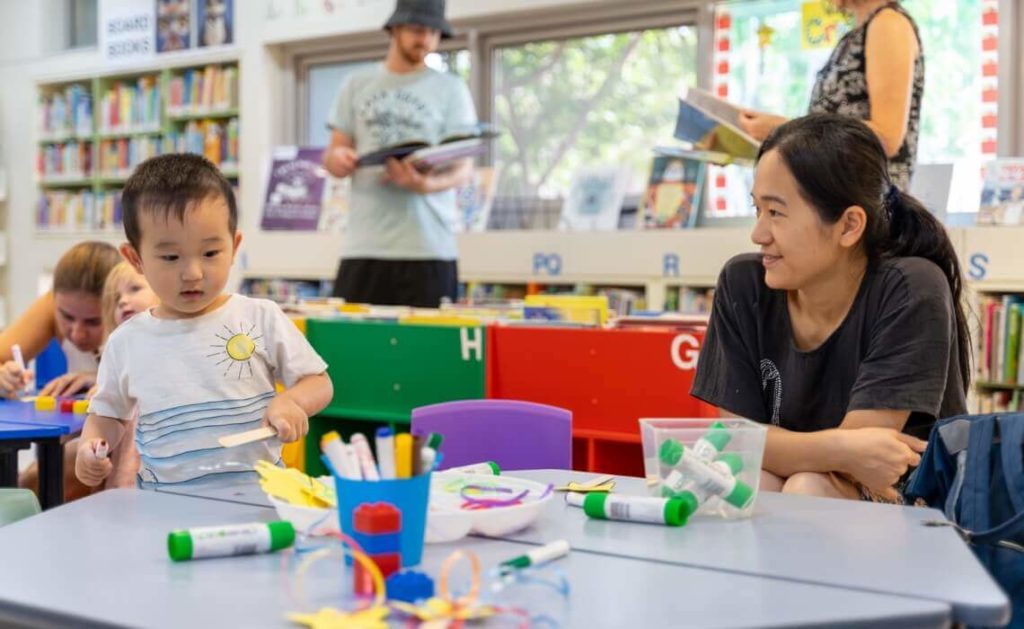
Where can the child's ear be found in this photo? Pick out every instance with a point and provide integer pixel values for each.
(129, 253)
(237, 242)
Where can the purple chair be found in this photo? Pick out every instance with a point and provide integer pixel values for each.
(515, 435)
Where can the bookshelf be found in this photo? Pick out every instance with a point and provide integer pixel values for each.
(93, 132)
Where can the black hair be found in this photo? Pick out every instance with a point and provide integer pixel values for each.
(171, 184)
(838, 162)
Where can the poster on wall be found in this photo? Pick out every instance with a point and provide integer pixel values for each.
(173, 25)
(295, 189)
(821, 25)
(215, 22)
(126, 31)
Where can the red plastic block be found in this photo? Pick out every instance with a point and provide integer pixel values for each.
(376, 518)
(66, 405)
(362, 582)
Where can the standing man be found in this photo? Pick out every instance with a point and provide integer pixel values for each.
(399, 248)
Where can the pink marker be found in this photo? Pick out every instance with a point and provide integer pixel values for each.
(101, 450)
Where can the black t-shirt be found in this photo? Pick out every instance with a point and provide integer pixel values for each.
(896, 349)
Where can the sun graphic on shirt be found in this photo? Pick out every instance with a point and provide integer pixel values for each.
(236, 350)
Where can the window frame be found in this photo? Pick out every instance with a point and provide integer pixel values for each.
(483, 36)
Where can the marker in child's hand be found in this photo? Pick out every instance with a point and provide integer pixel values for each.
(19, 359)
(101, 450)
(537, 556)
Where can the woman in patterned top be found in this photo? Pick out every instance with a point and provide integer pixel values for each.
(875, 74)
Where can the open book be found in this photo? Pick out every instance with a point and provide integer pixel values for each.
(712, 124)
(426, 156)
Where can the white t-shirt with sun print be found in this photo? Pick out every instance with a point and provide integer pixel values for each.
(196, 380)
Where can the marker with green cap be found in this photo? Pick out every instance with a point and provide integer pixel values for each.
(230, 540)
(673, 511)
(712, 478)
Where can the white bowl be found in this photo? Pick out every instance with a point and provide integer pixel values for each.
(451, 522)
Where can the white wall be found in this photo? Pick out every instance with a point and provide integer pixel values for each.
(29, 30)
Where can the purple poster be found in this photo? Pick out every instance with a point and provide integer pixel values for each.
(295, 189)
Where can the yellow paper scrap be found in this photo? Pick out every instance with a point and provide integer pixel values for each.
(329, 618)
(293, 486)
(601, 483)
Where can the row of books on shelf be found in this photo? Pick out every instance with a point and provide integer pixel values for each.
(286, 290)
(71, 160)
(85, 210)
(1000, 401)
(119, 157)
(129, 106)
(202, 90)
(216, 140)
(66, 113)
(1002, 352)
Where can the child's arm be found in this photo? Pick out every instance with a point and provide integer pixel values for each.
(89, 468)
(289, 411)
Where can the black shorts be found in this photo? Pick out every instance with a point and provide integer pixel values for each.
(419, 283)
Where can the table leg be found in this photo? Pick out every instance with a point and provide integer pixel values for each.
(8, 465)
(51, 473)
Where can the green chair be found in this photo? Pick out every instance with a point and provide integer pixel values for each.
(17, 504)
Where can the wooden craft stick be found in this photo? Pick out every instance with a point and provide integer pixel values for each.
(242, 438)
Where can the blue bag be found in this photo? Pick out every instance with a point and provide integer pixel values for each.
(973, 472)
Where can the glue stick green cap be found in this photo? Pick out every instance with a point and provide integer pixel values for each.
(689, 502)
(670, 452)
(718, 435)
(741, 495)
(733, 460)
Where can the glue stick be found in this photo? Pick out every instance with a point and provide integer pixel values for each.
(230, 540)
(669, 511)
(714, 441)
(712, 478)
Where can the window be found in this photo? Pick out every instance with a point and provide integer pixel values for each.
(82, 24)
(761, 61)
(601, 99)
(324, 81)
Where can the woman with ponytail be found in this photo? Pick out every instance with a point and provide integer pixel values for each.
(846, 333)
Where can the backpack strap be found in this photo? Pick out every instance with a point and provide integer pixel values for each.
(974, 510)
(1012, 440)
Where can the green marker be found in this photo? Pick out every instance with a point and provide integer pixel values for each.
(231, 540)
(537, 556)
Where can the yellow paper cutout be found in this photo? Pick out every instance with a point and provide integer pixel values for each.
(329, 618)
(294, 487)
(601, 483)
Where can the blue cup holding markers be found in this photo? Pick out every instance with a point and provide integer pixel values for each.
(409, 495)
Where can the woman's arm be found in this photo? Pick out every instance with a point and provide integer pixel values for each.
(32, 330)
(868, 446)
(890, 52)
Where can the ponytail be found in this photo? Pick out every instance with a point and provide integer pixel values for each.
(915, 232)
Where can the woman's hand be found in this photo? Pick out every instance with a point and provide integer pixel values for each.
(759, 125)
(878, 457)
(69, 384)
(13, 379)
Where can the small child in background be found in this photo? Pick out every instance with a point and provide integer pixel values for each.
(202, 364)
(125, 294)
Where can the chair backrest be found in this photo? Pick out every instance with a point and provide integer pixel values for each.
(515, 435)
(50, 363)
(16, 504)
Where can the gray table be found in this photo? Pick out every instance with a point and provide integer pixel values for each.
(102, 561)
(844, 543)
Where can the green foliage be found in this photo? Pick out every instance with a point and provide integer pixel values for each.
(584, 101)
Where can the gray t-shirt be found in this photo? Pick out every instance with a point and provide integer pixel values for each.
(377, 108)
(897, 349)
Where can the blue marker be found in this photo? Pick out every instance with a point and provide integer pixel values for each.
(386, 453)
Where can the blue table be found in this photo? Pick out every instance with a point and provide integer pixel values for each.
(17, 412)
(15, 437)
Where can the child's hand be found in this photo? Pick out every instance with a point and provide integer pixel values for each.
(13, 379)
(90, 468)
(69, 384)
(288, 418)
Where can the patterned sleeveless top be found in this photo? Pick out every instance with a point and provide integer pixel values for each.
(841, 88)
